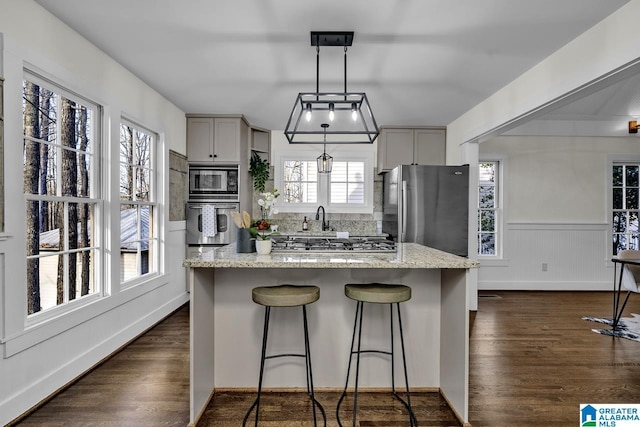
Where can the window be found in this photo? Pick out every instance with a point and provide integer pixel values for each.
(625, 184)
(488, 208)
(60, 176)
(348, 188)
(300, 181)
(138, 239)
(347, 183)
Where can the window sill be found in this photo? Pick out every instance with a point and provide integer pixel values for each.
(65, 320)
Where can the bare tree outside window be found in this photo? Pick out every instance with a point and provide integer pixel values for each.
(300, 181)
(31, 124)
(60, 206)
(137, 202)
(625, 181)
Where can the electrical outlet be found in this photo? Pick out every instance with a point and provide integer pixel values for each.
(544, 266)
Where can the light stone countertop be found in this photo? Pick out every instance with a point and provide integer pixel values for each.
(408, 255)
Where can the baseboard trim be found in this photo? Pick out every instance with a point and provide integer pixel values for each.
(544, 286)
(456, 413)
(202, 410)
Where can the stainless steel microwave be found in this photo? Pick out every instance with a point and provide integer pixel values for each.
(213, 183)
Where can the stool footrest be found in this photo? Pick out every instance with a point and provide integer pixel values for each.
(274, 356)
(388, 353)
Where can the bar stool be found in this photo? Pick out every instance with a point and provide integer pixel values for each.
(376, 293)
(286, 296)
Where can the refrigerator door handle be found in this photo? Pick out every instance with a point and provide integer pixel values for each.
(404, 211)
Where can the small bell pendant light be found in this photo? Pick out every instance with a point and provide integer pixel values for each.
(325, 161)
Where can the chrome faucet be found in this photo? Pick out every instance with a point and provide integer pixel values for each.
(325, 225)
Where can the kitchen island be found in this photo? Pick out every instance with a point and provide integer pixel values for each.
(226, 326)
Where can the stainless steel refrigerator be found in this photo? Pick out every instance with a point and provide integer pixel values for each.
(428, 205)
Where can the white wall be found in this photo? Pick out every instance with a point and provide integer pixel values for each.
(36, 361)
(555, 192)
(608, 48)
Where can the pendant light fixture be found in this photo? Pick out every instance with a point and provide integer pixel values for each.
(350, 115)
(325, 161)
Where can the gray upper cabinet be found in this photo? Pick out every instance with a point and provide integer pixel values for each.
(214, 139)
(260, 140)
(410, 146)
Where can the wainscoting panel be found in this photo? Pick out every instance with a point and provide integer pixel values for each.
(551, 257)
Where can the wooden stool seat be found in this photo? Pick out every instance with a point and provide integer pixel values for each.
(378, 293)
(285, 295)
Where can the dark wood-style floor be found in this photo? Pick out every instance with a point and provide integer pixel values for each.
(533, 361)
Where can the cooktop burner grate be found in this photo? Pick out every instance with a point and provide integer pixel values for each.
(319, 244)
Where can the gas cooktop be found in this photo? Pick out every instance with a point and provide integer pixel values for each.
(331, 244)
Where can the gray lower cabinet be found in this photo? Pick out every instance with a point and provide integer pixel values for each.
(410, 146)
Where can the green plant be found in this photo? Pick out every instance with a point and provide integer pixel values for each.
(259, 170)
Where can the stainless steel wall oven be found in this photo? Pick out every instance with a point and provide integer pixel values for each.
(210, 223)
(213, 195)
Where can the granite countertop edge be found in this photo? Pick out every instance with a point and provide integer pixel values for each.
(409, 255)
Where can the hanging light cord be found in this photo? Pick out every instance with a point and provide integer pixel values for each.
(345, 72)
(317, 70)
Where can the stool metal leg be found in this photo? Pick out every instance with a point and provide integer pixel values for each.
(307, 350)
(346, 384)
(256, 403)
(357, 326)
(393, 359)
(412, 417)
(355, 391)
(309, 374)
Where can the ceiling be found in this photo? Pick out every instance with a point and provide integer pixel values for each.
(421, 62)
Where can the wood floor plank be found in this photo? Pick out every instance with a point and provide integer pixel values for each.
(532, 358)
(532, 361)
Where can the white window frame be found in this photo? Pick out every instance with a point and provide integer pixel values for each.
(500, 211)
(324, 182)
(97, 201)
(154, 220)
(611, 161)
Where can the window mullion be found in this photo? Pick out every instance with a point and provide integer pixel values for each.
(64, 246)
(139, 239)
(324, 189)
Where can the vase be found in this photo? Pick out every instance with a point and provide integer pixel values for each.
(244, 244)
(263, 247)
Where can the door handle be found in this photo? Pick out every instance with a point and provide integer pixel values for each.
(404, 210)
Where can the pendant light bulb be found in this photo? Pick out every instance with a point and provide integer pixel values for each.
(354, 112)
(308, 114)
(332, 113)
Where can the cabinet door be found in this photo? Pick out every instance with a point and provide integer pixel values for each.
(200, 139)
(430, 145)
(396, 148)
(227, 140)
